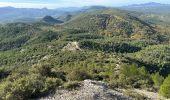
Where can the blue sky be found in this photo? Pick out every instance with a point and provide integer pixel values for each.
(72, 3)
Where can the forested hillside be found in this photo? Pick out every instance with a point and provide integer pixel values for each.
(112, 22)
(108, 45)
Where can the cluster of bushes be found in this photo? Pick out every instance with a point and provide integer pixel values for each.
(83, 36)
(156, 59)
(38, 81)
(157, 56)
(110, 46)
(15, 35)
(72, 85)
(78, 74)
(131, 76)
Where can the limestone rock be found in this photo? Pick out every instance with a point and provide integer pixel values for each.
(72, 46)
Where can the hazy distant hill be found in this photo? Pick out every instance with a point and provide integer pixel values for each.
(154, 13)
(151, 7)
(11, 14)
(51, 20)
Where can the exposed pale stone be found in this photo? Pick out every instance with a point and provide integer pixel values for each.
(89, 90)
(72, 46)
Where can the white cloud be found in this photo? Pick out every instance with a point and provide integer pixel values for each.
(91, 2)
(72, 3)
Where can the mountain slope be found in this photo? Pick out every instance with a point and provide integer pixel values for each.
(111, 22)
(15, 35)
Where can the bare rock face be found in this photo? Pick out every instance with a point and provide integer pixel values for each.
(72, 46)
(90, 90)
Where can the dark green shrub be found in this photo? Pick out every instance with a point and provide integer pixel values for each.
(78, 75)
(42, 69)
(58, 74)
(4, 73)
(106, 46)
(24, 87)
(132, 76)
(28, 87)
(51, 84)
(72, 85)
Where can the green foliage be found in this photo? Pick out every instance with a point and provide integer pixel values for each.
(132, 76)
(51, 84)
(28, 87)
(157, 79)
(109, 46)
(13, 35)
(46, 36)
(78, 74)
(35, 82)
(158, 56)
(44, 70)
(165, 87)
(4, 73)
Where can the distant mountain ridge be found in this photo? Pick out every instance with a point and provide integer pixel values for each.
(149, 4)
(11, 14)
(151, 7)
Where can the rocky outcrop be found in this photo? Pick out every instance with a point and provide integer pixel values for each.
(72, 46)
(150, 95)
(90, 90)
